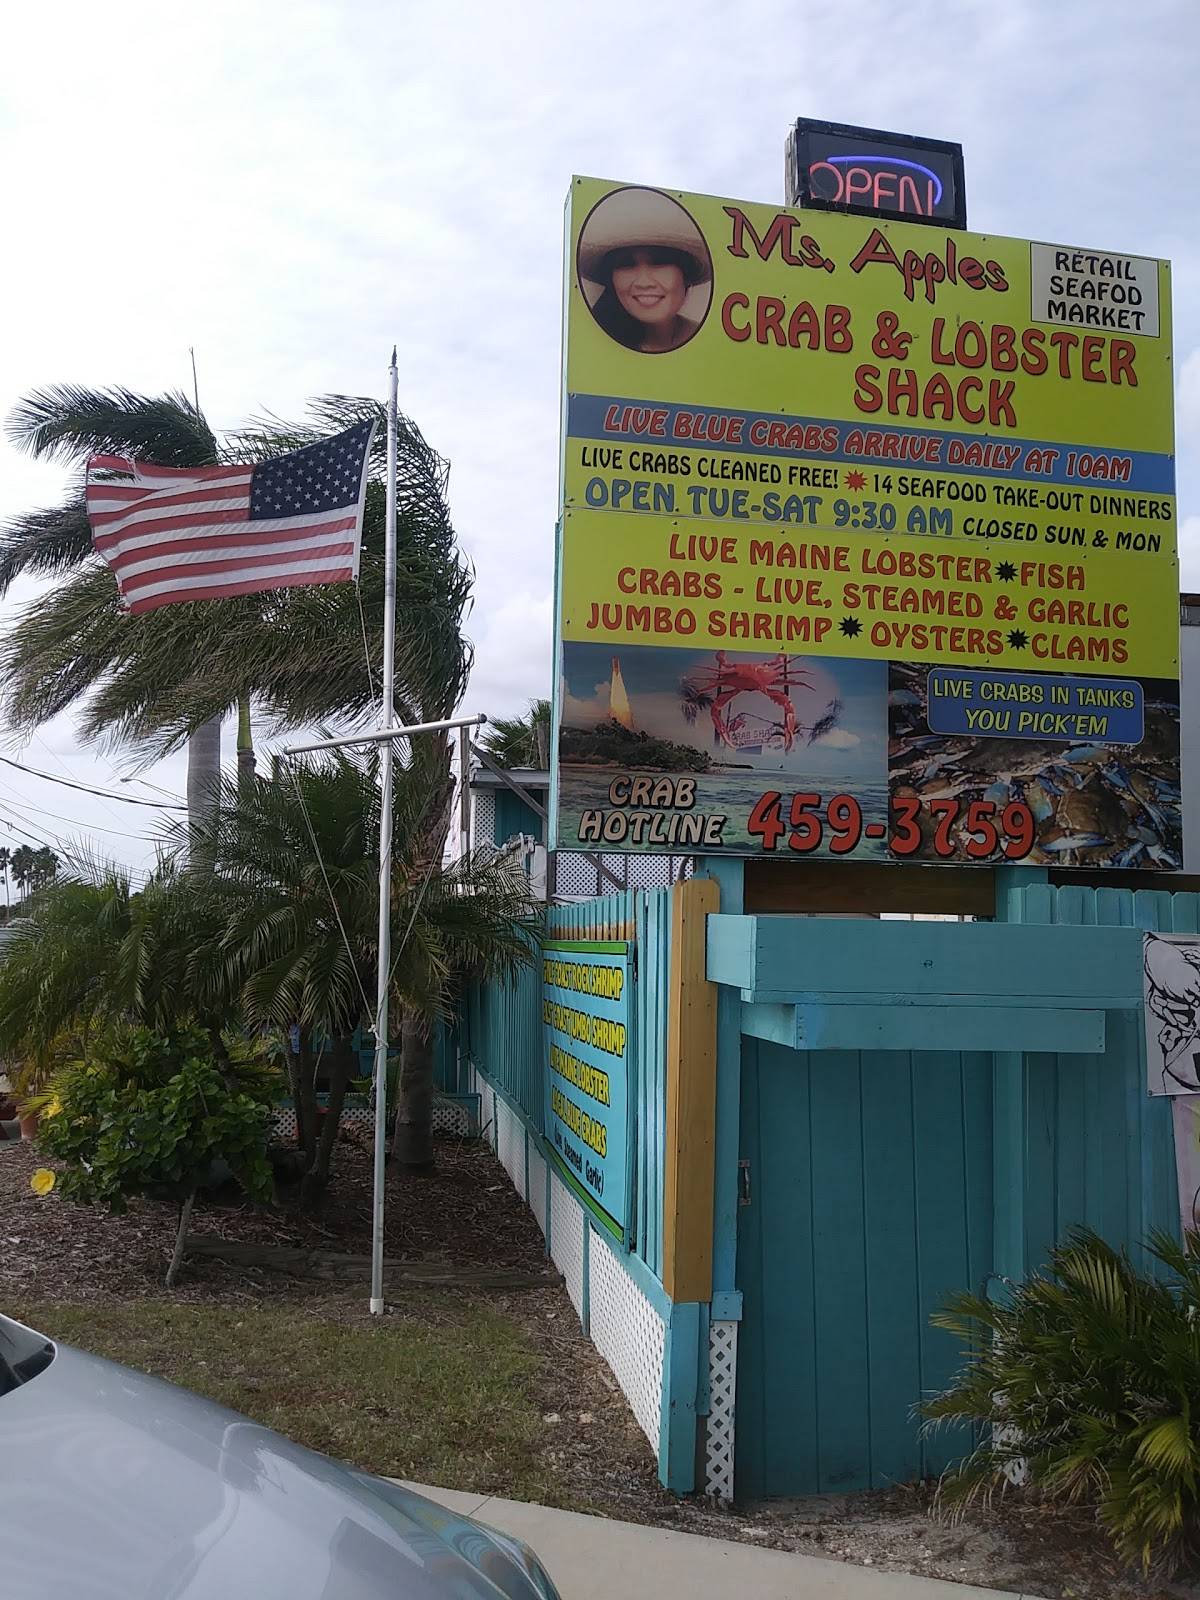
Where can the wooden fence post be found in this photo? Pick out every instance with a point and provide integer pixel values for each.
(691, 1098)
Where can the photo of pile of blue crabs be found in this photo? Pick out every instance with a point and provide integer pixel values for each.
(1093, 805)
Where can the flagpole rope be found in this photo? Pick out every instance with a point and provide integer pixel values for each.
(366, 647)
(312, 834)
(426, 879)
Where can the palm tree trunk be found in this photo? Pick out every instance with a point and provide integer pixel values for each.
(204, 771)
(304, 1097)
(412, 1140)
(412, 1144)
(245, 749)
(343, 1060)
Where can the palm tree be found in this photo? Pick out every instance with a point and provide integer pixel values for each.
(90, 951)
(294, 890)
(45, 866)
(5, 863)
(155, 682)
(520, 741)
(23, 868)
(68, 423)
(165, 678)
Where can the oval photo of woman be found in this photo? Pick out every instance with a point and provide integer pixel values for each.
(644, 270)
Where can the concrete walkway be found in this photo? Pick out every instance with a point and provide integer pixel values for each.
(592, 1558)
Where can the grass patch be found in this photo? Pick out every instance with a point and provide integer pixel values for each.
(449, 1402)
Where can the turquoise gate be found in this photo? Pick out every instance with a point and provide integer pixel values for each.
(874, 1181)
(867, 1198)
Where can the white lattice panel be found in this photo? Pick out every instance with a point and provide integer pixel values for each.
(649, 872)
(566, 1240)
(575, 874)
(628, 1333)
(537, 1186)
(357, 1110)
(285, 1123)
(1016, 1468)
(510, 1145)
(722, 1385)
(483, 819)
(455, 1114)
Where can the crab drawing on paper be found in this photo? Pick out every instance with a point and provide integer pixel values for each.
(1172, 995)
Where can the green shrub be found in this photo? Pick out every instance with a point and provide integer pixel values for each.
(152, 1114)
(1091, 1377)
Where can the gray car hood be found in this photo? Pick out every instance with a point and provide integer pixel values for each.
(116, 1486)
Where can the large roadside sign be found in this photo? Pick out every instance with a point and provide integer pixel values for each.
(867, 540)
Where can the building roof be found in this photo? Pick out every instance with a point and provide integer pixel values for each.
(528, 777)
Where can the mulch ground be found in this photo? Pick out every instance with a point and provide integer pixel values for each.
(590, 1454)
(464, 1213)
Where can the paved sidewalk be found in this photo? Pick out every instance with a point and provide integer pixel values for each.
(592, 1558)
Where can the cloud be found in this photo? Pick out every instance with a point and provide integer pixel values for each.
(1187, 403)
(291, 241)
(840, 739)
(1189, 555)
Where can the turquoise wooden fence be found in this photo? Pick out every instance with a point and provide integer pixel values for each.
(503, 1030)
(503, 1026)
(1098, 1150)
(608, 916)
(653, 925)
(879, 1180)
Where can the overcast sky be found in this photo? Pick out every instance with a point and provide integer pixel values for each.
(291, 188)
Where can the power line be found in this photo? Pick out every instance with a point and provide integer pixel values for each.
(62, 765)
(23, 808)
(105, 794)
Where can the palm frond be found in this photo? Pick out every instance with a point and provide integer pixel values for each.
(149, 682)
(45, 543)
(520, 741)
(67, 422)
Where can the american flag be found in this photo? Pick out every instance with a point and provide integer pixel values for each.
(203, 533)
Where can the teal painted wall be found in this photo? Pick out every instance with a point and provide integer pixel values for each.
(513, 816)
(883, 1180)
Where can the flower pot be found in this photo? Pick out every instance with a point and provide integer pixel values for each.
(29, 1125)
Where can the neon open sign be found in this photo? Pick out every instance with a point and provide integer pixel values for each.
(869, 172)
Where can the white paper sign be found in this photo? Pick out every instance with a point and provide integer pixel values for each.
(1171, 998)
(1186, 1114)
(1093, 290)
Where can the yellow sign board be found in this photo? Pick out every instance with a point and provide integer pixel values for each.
(828, 440)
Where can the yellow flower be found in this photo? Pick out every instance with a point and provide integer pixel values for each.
(43, 1181)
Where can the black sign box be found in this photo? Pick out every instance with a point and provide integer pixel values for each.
(834, 167)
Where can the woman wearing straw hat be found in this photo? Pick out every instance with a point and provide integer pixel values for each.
(641, 258)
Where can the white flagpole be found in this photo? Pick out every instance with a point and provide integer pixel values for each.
(385, 851)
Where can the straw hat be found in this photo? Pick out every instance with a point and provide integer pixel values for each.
(627, 218)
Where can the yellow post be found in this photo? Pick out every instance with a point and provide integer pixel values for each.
(691, 1098)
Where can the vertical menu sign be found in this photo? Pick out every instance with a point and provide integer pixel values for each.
(867, 547)
(586, 1008)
